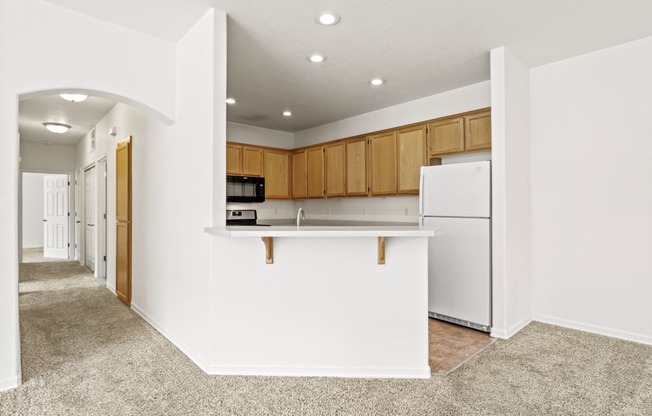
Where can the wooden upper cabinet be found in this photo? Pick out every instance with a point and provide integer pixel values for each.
(252, 161)
(277, 174)
(299, 175)
(446, 136)
(382, 163)
(477, 131)
(356, 166)
(411, 155)
(335, 169)
(233, 159)
(315, 168)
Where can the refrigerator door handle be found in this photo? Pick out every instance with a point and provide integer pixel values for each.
(421, 192)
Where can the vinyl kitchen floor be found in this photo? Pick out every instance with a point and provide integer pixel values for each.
(452, 345)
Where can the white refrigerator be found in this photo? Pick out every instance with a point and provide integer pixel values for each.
(455, 200)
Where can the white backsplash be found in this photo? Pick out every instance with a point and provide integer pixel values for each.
(390, 208)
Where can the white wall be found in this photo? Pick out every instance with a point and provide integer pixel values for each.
(242, 133)
(455, 101)
(592, 191)
(172, 200)
(32, 210)
(37, 157)
(510, 149)
(35, 34)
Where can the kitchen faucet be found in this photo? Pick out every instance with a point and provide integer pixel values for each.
(300, 216)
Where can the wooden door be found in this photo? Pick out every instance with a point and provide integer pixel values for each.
(315, 162)
(356, 167)
(411, 149)
(55, 216)
(252, 161)
(90, 211)
(123, 221)
(335, 169)
(446, 136)
(477, 131)
(382, 163)
(299, 175)
(233, 159)
(277, 174)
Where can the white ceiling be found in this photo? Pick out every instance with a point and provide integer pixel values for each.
(33, 112)
(421, 47)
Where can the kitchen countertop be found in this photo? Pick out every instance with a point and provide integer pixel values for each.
(321, 231)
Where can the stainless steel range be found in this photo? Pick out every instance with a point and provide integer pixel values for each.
(243, 217)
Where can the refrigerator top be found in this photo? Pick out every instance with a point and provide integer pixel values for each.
(456, 190)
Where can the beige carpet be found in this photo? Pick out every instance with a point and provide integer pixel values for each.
(35, 255)
(84, 353)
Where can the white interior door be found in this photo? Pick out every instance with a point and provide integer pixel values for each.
(55, 216)
(101, 219)
(78, 219)
(90, 213)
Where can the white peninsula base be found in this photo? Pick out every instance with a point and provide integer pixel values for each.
(325, 307)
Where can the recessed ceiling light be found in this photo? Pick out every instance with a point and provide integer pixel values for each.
(230, 100)
(57, 127)
(287, 113)
(75, 98)
(377, 81)
(328, 18)
(316, 58)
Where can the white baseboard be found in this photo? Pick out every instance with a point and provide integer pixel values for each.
(112, 290)
(596, 329)
(10, 383)
(308, 371)
(184, 349)
(497, 333)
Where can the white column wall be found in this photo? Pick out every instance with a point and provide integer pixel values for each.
(592, 191)
(32, 210)
(172, 200)
(35, 36)
(511, 236)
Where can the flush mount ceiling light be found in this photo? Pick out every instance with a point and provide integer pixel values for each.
(75, 98)
(316, 58)
(377, 81)
(287, 113)
(327, 18)
(57, 127)
(230, 100)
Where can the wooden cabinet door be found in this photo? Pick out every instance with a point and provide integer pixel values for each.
(411, 155)
(356, 167)
(233, 159)
(335, 169)
(382, 163)
(252, 161)
(277, 174)
(446, 136)
(299, 175)
(123, 221)
(315, 162)
(477, 131)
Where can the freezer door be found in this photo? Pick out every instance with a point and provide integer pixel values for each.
(457, 190)
(459, 269)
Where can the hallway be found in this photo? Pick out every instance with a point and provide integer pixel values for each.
(85, 353)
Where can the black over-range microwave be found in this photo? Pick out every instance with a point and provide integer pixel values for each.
(245, 189)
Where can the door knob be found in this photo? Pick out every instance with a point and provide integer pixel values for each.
(45, 220)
